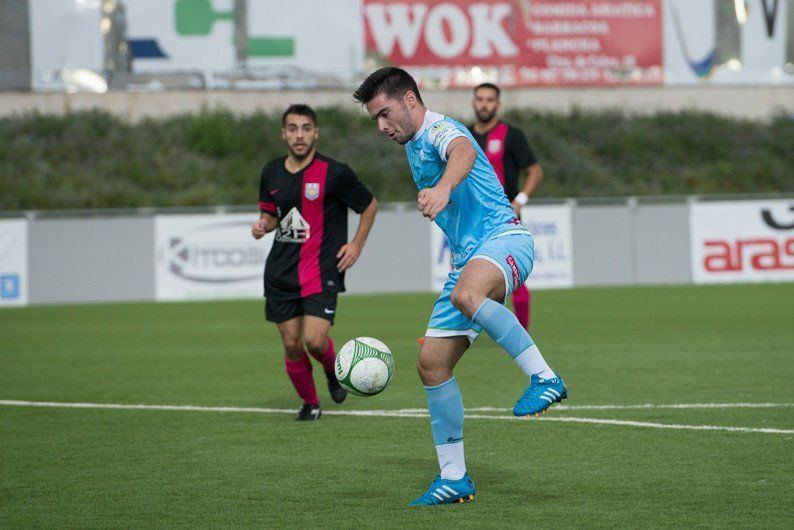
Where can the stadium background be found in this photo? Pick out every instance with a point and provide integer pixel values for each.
(697, 94)
(665, 128)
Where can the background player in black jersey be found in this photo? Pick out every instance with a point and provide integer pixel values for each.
(510, 155)
(304, 196)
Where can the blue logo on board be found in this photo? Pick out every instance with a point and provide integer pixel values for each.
(9, 286)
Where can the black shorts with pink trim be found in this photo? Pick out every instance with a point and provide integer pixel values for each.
(320, 305)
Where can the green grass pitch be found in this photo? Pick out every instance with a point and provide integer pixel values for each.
(89, 467)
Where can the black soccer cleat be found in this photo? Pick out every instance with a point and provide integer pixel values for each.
(338, 394)
(308, 413)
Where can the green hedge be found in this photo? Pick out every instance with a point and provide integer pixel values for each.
(94, 159)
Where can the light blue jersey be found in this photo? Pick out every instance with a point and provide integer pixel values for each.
(478, 210)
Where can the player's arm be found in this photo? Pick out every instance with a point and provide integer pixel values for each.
(460, 159)
(268, 218)
(349, 253)
(534, 178)
(266, 223)
(525, 158)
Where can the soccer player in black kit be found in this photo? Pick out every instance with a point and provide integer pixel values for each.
(304, 196)
(510, 155)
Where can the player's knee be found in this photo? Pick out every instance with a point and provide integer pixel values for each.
(317, 344)
(293, 348)
(457, 297)
(466, 301)
(424, 370)
(430, 373)
(294, 354)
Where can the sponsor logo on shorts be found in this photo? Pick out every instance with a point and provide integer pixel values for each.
(514, 270)
(329, 311)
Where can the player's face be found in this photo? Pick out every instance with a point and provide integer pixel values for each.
(300, 133)
(393, 116)
(485, 104)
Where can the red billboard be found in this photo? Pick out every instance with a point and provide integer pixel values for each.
(518, 42)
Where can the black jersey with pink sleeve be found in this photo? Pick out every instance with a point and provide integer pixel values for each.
(311, 208)
(508, 152)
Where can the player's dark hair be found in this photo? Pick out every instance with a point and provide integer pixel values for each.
(392, 81)
(301, 110)
(491, 86)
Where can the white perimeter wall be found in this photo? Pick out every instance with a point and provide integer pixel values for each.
(82, 259)
(747, 102)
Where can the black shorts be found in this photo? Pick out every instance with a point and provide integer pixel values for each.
(321, 305)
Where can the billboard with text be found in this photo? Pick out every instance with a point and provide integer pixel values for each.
(742, 241)
(519, 43)
(185, 35)
(208, 257)
(532, 43)
(552, 229)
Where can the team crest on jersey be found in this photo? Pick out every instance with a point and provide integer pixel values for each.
(494, 146)
(312, 190)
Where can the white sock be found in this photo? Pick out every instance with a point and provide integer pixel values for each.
(532, 362)
(451, 461)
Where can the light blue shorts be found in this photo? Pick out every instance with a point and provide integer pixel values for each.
(514, 255)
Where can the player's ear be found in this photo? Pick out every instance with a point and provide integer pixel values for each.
(284, 134)
(316, 132)
(410, 99)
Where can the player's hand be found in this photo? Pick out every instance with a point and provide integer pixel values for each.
(348, 255)
(259, 228)
(517, 208)
(432, 201)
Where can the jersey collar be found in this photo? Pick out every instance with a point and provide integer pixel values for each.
(486, 133)
(307, 166)
(430, 118)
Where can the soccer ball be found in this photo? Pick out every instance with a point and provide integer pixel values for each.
(364, 366)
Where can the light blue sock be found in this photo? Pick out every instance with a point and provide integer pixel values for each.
(503, 327)
(446, 421)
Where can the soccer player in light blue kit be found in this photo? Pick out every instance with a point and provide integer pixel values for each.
(492, 255)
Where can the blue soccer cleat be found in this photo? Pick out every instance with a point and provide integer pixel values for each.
(540, 395)
(443, 491)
